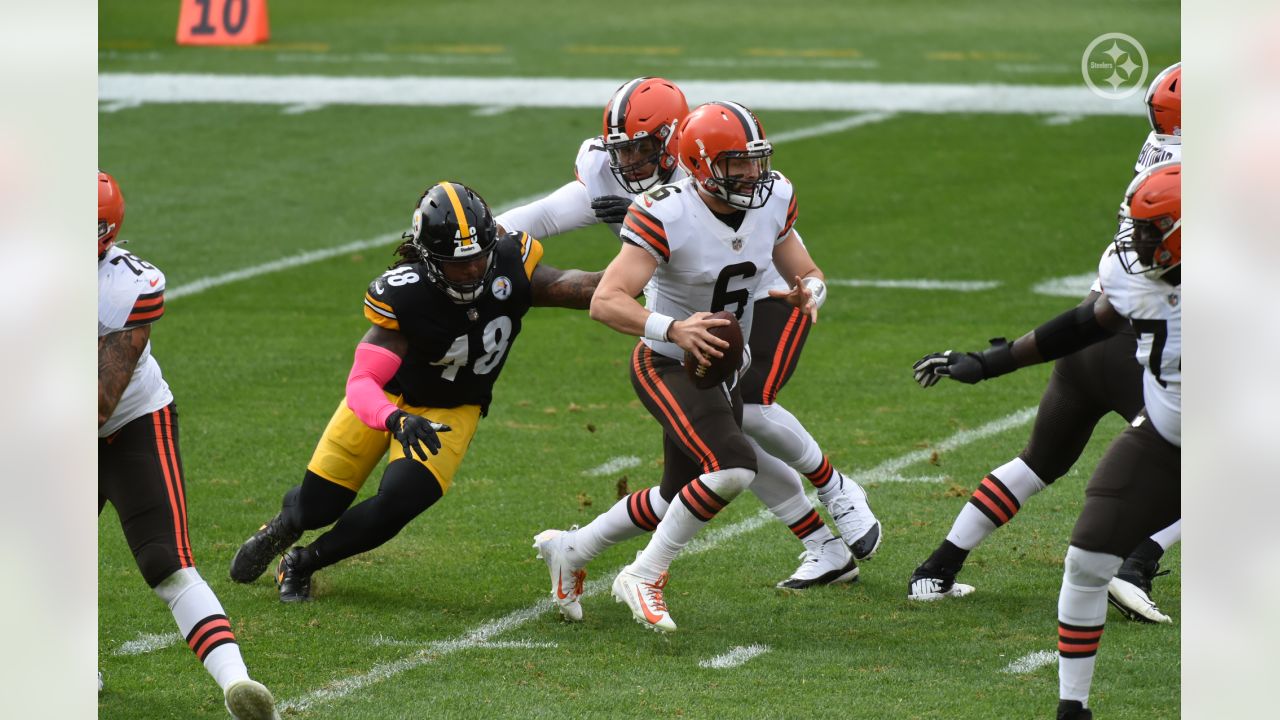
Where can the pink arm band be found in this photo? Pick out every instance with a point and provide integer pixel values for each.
(373, 368)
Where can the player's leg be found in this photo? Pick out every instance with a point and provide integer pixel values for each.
(1130, 590)
(345, 455)
(778, 334)
(1075, 399)
(1135, 490)
(825, 559)
(141, 473)
(409, 486)
(706, 424)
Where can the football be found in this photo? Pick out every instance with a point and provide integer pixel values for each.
(721, 368)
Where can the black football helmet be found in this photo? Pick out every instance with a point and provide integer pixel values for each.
(454, 230)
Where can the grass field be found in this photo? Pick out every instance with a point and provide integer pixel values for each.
(450, 618)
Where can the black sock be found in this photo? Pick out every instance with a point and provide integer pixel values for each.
(314, 504)
(948, 556)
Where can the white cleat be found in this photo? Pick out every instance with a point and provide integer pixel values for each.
(644, 597)
(831, 563)
(250, 700)
(851, 513)
(1134, 602)
(566, 579)
(927, 588)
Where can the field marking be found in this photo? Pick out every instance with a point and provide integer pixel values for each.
(920, 284)
(735, 657)
(548, 92)
(1031, 661)
(307, 257)
(146, 643)
(705, 541)
(384, 641)
(1076, 286)
(613, 465)
(896, 478)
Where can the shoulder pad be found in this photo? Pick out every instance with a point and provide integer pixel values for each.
(382, 294)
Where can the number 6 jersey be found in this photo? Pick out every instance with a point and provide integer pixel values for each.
(703, 264)
(455, 351)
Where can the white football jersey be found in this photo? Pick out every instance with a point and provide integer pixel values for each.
(703, 264)
(1154, 308)
(130, 295)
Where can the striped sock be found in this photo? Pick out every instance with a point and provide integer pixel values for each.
(994, 502)
(700, 501)
(821, 475)
(632, 516)
(204, 624)
(1082, 613)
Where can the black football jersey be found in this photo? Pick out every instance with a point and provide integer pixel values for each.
(456, 351)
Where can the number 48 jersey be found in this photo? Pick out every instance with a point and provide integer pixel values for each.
(703, 264)
(455, 351)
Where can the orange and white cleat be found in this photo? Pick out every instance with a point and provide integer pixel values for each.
(566, 578)
(644, 597)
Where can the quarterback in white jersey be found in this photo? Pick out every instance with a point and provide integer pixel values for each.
(140, 465)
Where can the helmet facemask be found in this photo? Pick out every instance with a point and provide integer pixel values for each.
(741, 178)
(459, 265)
(1147, 249)
(629, 158)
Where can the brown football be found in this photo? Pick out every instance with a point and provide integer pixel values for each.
(721, 368)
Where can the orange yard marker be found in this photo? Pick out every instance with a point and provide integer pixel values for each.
(223, 22)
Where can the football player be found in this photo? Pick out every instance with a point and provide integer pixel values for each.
(444, 318)
(635, 153)
(1083, 388)
(140, 464)
(1136, 488)
(695, 247)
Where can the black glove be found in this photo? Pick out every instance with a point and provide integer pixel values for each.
(968, 367)
(611, 208)
(414, 432)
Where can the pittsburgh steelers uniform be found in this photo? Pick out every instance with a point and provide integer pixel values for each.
(455, 355)
(1136, 488)
(139, 466)
(704, 265)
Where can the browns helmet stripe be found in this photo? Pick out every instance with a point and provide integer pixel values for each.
(618, 106)
(464, 230)
(750, 126)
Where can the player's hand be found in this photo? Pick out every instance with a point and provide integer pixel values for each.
(415, 432)
(611, 208)
(966, 367)
(693, 334)
(799, 296)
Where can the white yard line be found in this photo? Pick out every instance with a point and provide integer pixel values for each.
(830, 128)
(613, 465)
(147, 642)
(791, 95)
(1031, 661)
(735, 657)
(920, 284)
(708, 540)
(1075, 286)
(384, 641)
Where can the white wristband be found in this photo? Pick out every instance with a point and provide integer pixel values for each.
(656, 327)
(818, 289)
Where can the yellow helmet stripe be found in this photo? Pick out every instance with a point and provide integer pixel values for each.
(464, 230)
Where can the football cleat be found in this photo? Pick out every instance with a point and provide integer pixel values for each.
(831, 563)
(1073, 710)
(931, 583)
(255, 555)
(250, 700)
(851, 513)
(644, 597)
(1130, 590)
(566, 578)
(293, 581)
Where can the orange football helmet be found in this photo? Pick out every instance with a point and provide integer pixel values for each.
(722, 145)
(110, 211)
(640, 125)
(1164, 104)
(1153, 202)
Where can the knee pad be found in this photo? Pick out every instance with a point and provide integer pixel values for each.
(1086, 568)
(172, 586)
(729, 483)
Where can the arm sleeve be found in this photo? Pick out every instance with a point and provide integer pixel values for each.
(373, 367)
(568, 208)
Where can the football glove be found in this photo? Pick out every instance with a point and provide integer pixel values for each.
(611, 208)
(415, 433)
(966, 367)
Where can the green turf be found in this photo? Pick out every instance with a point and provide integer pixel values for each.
(258, 366)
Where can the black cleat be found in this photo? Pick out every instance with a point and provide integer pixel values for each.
(1073, 710)
(293, 580)
(1130, 590)
(255, 555)
(930, 582)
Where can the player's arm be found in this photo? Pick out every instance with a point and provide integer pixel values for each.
(378, 357)
(1091, 321)
(614, 304)
(568, 208)
(792, 259)
(118, 354)
(553, 287)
